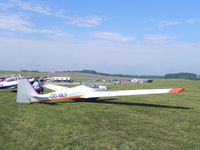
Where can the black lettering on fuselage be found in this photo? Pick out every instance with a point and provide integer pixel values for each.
(59, 95)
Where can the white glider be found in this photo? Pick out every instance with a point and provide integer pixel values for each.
(26, 93)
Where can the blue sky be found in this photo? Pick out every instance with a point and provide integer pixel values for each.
(151, 37)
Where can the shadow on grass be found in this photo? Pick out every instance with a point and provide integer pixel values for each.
(14, 91)
(110, 101)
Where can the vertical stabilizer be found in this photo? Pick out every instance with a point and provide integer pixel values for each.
(24, 91)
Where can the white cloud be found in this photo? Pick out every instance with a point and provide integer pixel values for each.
(112, 36)
(162, 24)
(38, 8)
(87, 21)
(18, 23)
(15, 23)
(167, 23)
(157, 38)
(60, 13)
(90, 21)
(30, 7)
(193, 21)
(5, 5)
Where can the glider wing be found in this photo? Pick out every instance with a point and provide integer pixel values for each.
(130, 92)
(54, 87)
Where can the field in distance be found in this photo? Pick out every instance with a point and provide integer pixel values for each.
(76, 76)
(168, 121)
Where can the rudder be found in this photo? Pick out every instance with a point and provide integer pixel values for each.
(24, 90)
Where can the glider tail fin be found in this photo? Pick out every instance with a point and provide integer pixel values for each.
(24, 90)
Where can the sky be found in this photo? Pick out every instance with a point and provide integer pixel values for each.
(137, 37)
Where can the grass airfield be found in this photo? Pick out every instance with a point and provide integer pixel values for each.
(150, 122)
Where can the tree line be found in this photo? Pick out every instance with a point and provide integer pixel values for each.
(190, 76)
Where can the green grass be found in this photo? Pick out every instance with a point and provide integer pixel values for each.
(150, 122)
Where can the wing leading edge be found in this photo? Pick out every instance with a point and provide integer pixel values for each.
(130, 92)
(54, 87)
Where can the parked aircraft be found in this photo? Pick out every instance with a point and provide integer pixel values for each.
(2, 79)
(11, 82)
(26, 93)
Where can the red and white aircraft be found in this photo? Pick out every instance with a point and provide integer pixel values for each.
(11, 82)
(2, 79)
(26, 93)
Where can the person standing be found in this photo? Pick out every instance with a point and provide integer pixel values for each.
(36, 85)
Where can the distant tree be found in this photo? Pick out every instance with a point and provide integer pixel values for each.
(191, 76)
(89, 71)
(121, 75)
(29, 71)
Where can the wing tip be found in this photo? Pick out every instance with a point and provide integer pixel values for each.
(177, 90)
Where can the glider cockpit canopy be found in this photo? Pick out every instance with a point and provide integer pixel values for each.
(91, 85)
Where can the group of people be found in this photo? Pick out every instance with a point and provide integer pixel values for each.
(37, 86)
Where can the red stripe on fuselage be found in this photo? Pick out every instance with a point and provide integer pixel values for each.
(58, 99)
